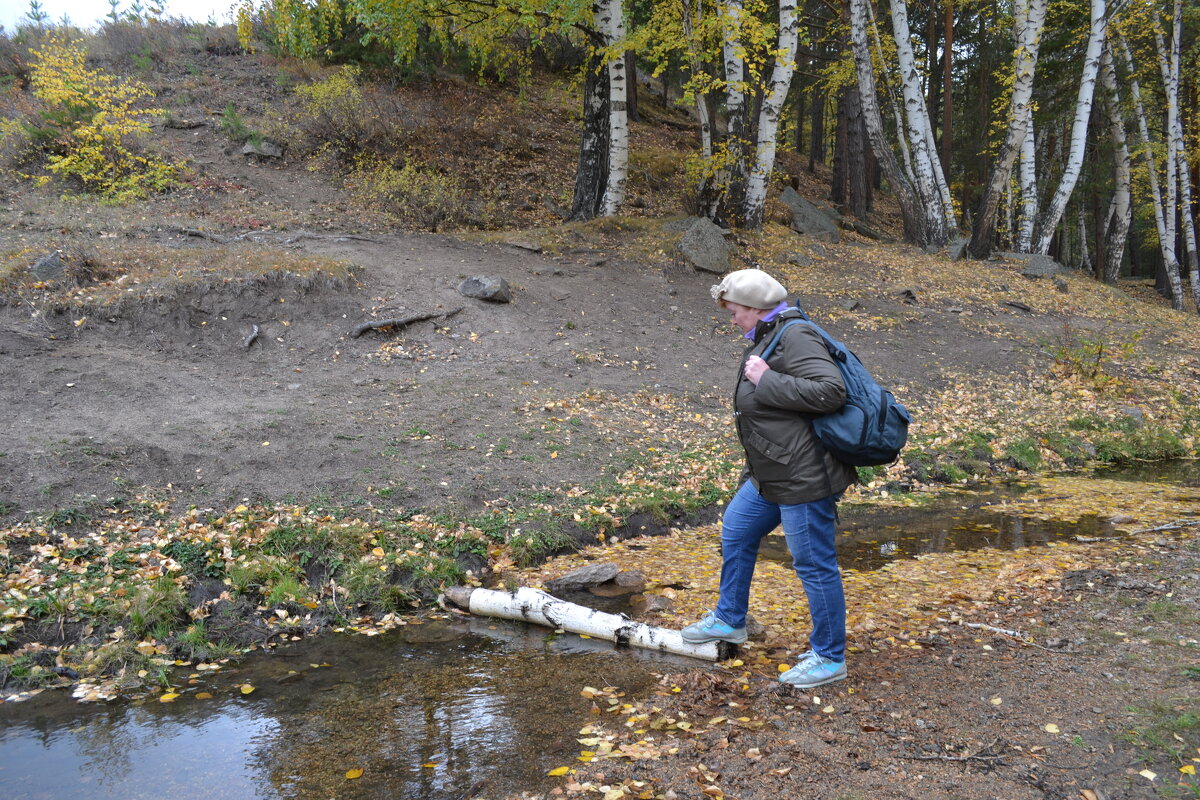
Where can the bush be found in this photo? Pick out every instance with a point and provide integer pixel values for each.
(340, 117)
(414, 191)
(88, 127)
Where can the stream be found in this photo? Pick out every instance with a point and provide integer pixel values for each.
(434, 709)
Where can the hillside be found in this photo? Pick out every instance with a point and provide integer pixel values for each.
(205, 451)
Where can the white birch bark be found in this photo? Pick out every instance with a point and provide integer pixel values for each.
(1162, 211)
(910, 207)
(1120, 212)
(895, 104)
(612, 21)
(926, 166)
(1084, 252)
(694, 64)
(533, 605)
(768, 116)
(1009, 229)
(1083, 110)
(1028, 21)
(1027, 170)
(735, 170)
(1176, 145)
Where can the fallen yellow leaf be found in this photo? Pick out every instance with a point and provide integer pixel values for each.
(1050, 728)
(1188, 769)
(203, 695)
(353, 774)
(1148, 774)
(554, 773)
(246, 688)
(169, 697)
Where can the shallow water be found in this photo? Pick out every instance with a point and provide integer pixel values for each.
(484, 713)
(439, 711)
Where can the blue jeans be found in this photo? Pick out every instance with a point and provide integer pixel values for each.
(810, 529)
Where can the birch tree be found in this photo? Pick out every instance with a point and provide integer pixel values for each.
(1027, 180)
(1177, 161)
(1164, 206)
(768, 117)
(1053, 212)
(1120, 211)
(930, 182)
(910, 207)
(610, 18)
(1028, 20)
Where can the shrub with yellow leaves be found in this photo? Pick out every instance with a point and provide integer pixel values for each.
(88, 125)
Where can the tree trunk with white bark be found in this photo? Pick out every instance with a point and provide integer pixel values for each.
(610, 17)
(1120, 212)
(591, 174)
(1176, 145)
(1083, 110)
(1164, 207)
(929, 181)
(735, 169)
(1027, 23)
(533, 605)
(1027, 172)
(768, 117)
(910, 210)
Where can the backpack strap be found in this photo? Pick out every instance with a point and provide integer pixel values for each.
(770, 348)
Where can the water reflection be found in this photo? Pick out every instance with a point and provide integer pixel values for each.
(868, 540)
(488, 712)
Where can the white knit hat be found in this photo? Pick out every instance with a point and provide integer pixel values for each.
(752, 288)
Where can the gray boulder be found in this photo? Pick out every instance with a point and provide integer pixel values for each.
(262, 148)
(583, 578)
(704, 247)
(486, 287)
(1037, 265)
(49, 267)
(810, 219)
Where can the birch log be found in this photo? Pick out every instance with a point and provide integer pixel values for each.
(534, 605)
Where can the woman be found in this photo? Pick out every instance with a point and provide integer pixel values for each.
(789, 477)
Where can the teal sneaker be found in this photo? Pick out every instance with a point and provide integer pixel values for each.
(814, 670)
(712, 629)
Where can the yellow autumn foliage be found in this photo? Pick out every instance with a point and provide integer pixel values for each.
(89, 125)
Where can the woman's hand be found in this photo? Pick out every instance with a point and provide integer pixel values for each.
(755, 367)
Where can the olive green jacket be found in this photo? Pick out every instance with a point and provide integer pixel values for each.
(786, 461)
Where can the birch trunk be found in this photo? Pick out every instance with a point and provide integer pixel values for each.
(930, 182)
(611, 16)
(1120, 214)
(591, 175)
(1028, 181)
(1163, 210)
(1028, 21)
(897, 113)
(701, 100)
(1083, 110)
(735, 103)
(768, 117)
(910, 211)
(533, 605)
(1177, 144)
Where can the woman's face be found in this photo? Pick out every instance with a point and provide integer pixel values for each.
(745, 318)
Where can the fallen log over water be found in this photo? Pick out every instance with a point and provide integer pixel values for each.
(534, 605)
